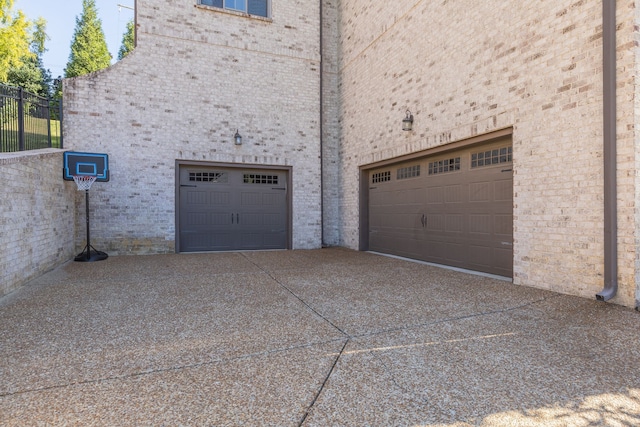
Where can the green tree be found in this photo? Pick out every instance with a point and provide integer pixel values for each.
(56, 88)
(128, 41)
(29, 77)
(89, 50)
(15, 38)
(31, 74)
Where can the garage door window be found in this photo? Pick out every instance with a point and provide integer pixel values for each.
(444, 166)
(250, 178)
(491, 157)
(220, 177)
(409, 172)
(381, 177)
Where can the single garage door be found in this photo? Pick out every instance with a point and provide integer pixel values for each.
(224, 209)
(454, 209)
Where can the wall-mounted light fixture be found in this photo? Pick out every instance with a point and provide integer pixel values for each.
(407, 122)
(237, 138)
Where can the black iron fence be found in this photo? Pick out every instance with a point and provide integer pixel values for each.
(28, 121)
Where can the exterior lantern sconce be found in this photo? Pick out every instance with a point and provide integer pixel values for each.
(237, 138)
(407, 122)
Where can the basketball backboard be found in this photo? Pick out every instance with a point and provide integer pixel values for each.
(94, 164)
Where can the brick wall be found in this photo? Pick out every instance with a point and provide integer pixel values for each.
(466, 68)
(463, 68)
(37, 214)
(632, 91)
(196, 75)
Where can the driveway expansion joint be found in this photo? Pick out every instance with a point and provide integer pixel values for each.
(324, 383)
(296, 296)
(452, 319)
(176, 368)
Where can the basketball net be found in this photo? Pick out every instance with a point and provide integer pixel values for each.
(84, 181)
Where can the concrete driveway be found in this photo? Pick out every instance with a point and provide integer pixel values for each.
(328, 337)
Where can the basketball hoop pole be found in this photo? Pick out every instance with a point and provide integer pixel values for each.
(89, 253)
(85, 169)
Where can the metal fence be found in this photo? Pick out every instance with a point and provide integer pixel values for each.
(28, 121)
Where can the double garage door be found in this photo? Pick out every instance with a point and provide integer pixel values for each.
(223, 209)
(454, 209)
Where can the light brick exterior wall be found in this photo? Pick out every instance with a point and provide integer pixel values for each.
(195, 77)
(465, 68)
(37, 216)
(632, 91)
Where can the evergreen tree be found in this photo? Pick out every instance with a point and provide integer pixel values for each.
(56, 88)
(128, 41)
(89, 50)
(14, 38)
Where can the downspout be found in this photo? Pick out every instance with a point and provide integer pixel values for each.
(321, 126)
(609, 152)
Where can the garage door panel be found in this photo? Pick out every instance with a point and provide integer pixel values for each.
(480, 256)
(455, 223)
(405, 220)
(451, 252)
(273, 241)
(197, 219)
(503, 190)
(480, 224)
(378, 198)
(261, 240)
(198, 197)
(503, 259)
(375, 220)
(435, 223)
(251, 199)
(435, 195)
(379, 242)
(251, 240)
(273, 199)
(454, 194)
(388, 242)
(207, 241)
(219, 198)
(273, 220)
(251, 219)
(503, 225)
(480, 191)
(218, 219)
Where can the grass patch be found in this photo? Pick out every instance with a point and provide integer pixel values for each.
(36, 135)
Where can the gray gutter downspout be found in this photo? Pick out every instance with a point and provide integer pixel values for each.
(321, 127)
(609, 152)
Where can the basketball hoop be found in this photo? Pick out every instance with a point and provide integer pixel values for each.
(84, 181)
(85, 169)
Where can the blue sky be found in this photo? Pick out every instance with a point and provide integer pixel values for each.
(61, 22)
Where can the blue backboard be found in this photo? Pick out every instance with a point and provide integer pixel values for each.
(85, 164)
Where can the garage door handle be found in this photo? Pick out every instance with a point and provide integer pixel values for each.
(237, 218)
(424, 220)
(185, 185)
